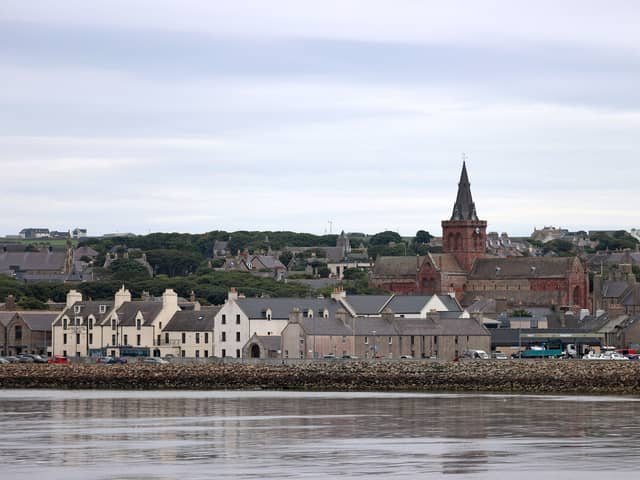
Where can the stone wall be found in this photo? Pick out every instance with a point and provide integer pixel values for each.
(508, 376)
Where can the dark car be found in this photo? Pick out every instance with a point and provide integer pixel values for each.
(24, 359)
(12, 359)
(111, 360)
(34, 357)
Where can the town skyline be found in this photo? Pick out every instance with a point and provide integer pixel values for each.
(236, 116)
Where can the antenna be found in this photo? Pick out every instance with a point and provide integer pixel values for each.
(330, 226)
(464, 157)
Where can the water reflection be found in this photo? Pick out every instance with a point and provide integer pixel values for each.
(276, 435)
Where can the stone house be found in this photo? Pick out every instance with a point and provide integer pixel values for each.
(189, 333)
(438, 336)
(618, 293)
(29, 332)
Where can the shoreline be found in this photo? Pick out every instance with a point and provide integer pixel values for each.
(495, 376)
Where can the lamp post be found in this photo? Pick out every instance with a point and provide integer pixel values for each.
(375, 344)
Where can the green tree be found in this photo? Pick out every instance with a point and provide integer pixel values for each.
(31, 303)
(422, 237)
(125, 269)
(384, 238)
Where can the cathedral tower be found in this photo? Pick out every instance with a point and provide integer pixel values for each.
(464, 235)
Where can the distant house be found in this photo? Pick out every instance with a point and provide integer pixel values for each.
(79, 233)
(47, 264)
(34, 233)
(220, 248)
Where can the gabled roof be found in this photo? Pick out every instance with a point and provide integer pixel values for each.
(129, 310)
(39, 321)
(408, 303)
(522, 267)
(406, 266)
(192, 321)
(446, 262)
(269, 261)
(269, 342)
(464, 208)
(46, 260)
(632, 298)
(282, 307)
(613, 289)
(89, 308)
(5, 318)
(367, 304)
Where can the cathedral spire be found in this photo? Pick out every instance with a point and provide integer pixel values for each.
(464, 208)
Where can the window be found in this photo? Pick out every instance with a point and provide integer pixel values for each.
(76, 309)
(224, 320)
(344, 339)
(77, 339)
(17, 332)
(435, 340)
(197, 353)
(224, 353)
(159, 339)
(413, 340)
(90, 338)
(77, 321)
(138, 340)
(238, 319)
(138, 324)
(366, 340)
(390, 340)
(237, 336)
(223, 337)
(113, 339)
(103, 308)
(90, 323)
(456, 341)
(65, 323)
(113, 324)
(183, 353)
(126, 340)
(184, 337)
(197, 337)
(238, 353)
(206, 354)
(166, 337)
(160, 325)
(206, 337)
(64, 353)
(64, 338)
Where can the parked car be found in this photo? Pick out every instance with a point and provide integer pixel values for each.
(155, 361)
(349, 357)
(38, 358)
(24, 359)
(475, 354)
(406, 357)
(329, 356)
(111, 360)
(59, 359)
(12, 359)
(498, 356)
(4, 360)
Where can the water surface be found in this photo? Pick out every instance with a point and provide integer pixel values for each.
(193, 435)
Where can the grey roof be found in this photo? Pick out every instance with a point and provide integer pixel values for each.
(510, 337)
(405, 266)
(464, 208)
(128, 311)
(367, 304)
(450, 302)
(39, 321)
(613, 289)
(282, 307)
(84, 252)
(220, 245)
(408, 303)
(270, 342)
(46, 260)
(89, 308)
(522, 267)
(192, 321)
(632, 298)
(327, 326)
(269, 261)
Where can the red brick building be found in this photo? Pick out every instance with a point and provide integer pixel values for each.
(465, 269)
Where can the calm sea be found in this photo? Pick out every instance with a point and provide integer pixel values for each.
(211, 435)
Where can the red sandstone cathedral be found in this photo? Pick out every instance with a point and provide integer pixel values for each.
(465, 269)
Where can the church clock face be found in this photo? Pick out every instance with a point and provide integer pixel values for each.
(477, 230)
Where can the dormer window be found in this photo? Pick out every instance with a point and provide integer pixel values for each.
(65, 323)
(103, 308)
(76, 309)
(310, 314)
(138, 324)
(325, 313)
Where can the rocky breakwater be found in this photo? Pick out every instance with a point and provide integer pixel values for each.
(522, 376)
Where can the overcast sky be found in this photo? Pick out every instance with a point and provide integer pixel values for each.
(193, 116)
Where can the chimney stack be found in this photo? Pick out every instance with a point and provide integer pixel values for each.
(73, 296)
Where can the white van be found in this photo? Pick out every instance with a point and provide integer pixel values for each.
(476, 354)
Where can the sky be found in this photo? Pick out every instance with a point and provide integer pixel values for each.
(316, 116)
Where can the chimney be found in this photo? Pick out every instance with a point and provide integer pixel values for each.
(192, 297)
(123, 295)
(501, 305)
(10, 303)
(342, 315)
(233, 294)
(338, 294)
(295, 316)
(387, 315)
(73, 296)
(170, 300)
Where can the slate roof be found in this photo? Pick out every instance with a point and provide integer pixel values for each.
(613, 289)
(269, 261)
(464, 208)
(508, 337)
(89, 308)
(367, 304)
(450, 302)
(5, 317)
(128, 311)
(192, 321)
(84, 252)
(282, 307)
(270, 342)
(523, 267)
(39, 321)
(632, 298)
(46, 260)
(407, 303)
(326, 326)
(405, 266)
(446, 262)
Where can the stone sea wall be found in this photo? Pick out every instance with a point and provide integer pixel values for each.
(517, 376)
